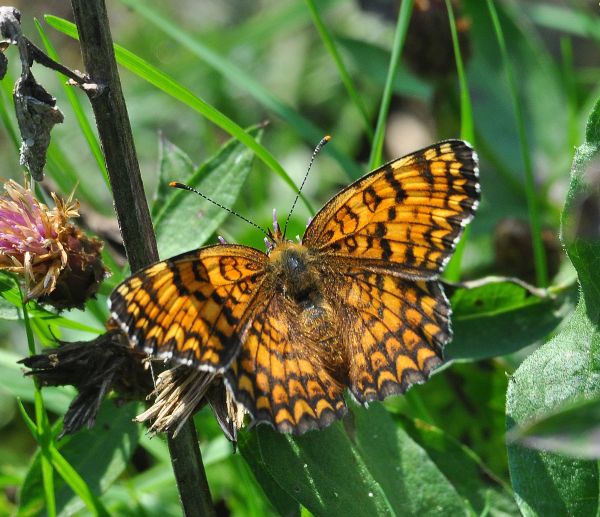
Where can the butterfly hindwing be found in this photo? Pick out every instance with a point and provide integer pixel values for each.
(405, 216)
(394, 331)
(281, 374)
(190, 307)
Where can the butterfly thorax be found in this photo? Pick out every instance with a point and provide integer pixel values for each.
(293, 269)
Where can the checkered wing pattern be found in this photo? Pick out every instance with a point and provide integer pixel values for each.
(284, 374)
(395, 331)
(192, 307)
(406, 216)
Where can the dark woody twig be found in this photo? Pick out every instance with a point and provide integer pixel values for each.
(132, 211)
(39, 56)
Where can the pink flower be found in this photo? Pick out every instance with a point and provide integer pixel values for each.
(41, 245)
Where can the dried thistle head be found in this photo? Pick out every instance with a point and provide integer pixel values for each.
(59, 264)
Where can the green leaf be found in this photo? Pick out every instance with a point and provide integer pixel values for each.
(98, 455)
(502, 317)
(363, 466)
(567, 368)
(284, 504)
(572, 430)
(173, 165)
(467, 473)
(565, 19)
(549, 484)
(221, 178)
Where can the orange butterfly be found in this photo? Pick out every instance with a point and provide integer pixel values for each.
(356, 303)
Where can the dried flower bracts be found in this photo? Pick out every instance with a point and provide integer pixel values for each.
(59, 264)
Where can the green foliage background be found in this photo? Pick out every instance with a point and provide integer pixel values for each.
(196, 74)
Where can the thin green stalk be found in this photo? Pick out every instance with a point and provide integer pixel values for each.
(399, 37)
(467, 132)
(539, 254)
(568, 75)
(43, 430)
(77, 108)
(343, 71)
(6, 120)
(64, 468)
(50, 457)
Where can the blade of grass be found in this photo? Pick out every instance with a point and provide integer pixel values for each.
(77, 107)
(306, 129)
(27, 419)
(45, 333)
(171, 87)
(5, 117)
(265, 26)
(565, 19)
(65, 470)
(399, 37)
(43, 433)
(77, 483)
(467, 132)
(343, 71)
(539, 254)
(568, 75)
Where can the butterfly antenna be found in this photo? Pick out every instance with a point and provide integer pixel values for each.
(182, 186)
(317, 150)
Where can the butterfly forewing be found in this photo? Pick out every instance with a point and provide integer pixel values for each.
(191, 307)
(405, 217)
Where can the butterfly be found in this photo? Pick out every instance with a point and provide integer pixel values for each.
(356, 303)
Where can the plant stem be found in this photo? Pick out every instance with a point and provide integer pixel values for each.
(399, 37)
(132, 211)
(330, 45)
(539, 254)
(44, 59)
(467, 133)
